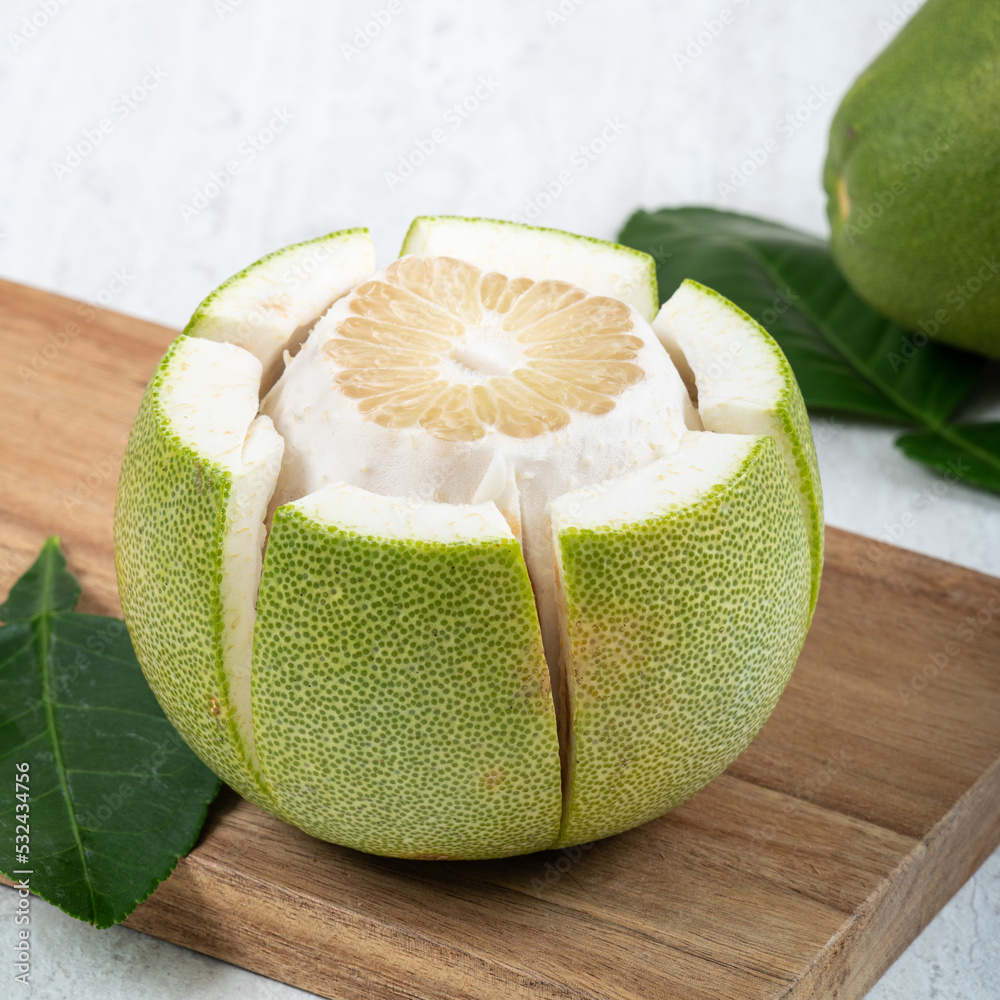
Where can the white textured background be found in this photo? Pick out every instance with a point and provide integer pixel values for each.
(113, 227)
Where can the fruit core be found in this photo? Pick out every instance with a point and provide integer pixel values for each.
(439, 344)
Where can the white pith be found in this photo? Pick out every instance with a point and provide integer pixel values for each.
(211, 394)
(400, 518)
(738, 382)
(645, 456)
(601, 268)
(737, 374)
(702, 461)
(267, 309)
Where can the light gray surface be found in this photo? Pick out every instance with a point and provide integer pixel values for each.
(114, 228)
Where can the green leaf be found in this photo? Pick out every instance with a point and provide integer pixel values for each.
(113, 796)
(970, 452)
(845, 355)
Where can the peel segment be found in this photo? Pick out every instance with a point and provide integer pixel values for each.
(268, 307)
(686, 600)
(401, 694)
(189, 529)
(743, 384)
(601, 267)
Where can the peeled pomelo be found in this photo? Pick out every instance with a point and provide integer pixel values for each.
(912, 174)
(489, 562)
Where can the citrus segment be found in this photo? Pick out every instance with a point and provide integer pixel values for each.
(575, 349)
(435, 731)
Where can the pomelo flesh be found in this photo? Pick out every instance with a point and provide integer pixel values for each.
(514, 593)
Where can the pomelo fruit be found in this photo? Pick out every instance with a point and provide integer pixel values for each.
(494, 561)
(912, 175)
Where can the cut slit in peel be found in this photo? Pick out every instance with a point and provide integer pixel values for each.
(400, 699)
(721, 518)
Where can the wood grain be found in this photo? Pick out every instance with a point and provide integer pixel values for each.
(868, 799)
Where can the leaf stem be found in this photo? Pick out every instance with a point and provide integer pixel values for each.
(42, 624)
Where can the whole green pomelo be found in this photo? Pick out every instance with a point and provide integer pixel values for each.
(913, 176)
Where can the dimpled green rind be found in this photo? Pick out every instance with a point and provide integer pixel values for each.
(912, 175)
(683, 630)
(537, 252)
(797, 432)
(170, 518)
(400, 694)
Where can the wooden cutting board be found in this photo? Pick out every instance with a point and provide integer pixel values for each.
(870, 796)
